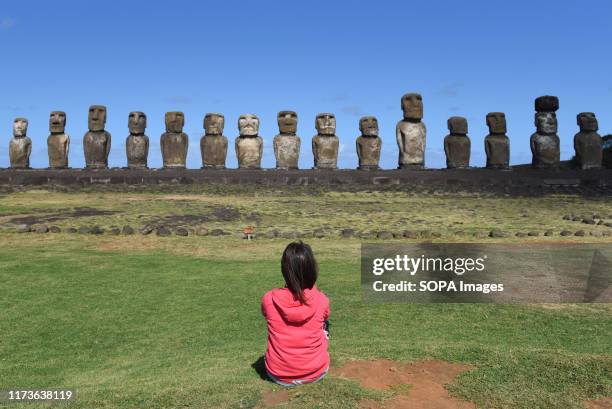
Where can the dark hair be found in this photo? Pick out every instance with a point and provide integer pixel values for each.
(299, 269)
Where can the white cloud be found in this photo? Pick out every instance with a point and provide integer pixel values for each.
(353, 110)
(6, 23)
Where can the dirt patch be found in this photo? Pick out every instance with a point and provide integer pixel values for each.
(215, 213)
(181, 220)
(272, 398)
(603, 403)
(69, 214)
(225, 213)
(425, 381)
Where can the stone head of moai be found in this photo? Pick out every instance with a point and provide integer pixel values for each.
(57, 122)
(368, 126)
(175, 121)
(326, 124)
(248, 125)
(546, 123)
(96, 119)
(20, 127)
(496, 121)
(214, 123)
(547, 103)
(137, 122)
(457, 125)
(412, 105)
(587, 122)
(287, 122)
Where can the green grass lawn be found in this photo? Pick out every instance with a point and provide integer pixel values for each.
(304, 211)
(149, 322)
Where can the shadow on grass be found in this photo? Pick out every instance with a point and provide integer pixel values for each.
(260, 367)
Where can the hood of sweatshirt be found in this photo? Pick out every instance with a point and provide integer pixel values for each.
(292, 310)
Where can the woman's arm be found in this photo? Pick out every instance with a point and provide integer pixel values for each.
(326, 311)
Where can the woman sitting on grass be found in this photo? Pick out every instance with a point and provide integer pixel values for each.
(296, 316)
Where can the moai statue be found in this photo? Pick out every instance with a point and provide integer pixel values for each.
(325, 143)
(96, 142)
(410, 133)
(58, 142)
(174, 142)
(457, 144)
(607, 151)
(368, 144)
(497, 143)
(588, 143)
(213, 145)
(249, 145)
(287, 143)
(137, 143)
(545, 141)
(20, 146)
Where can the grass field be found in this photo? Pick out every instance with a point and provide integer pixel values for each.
(172, 322)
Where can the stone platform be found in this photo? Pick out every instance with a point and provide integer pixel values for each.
(518, 180)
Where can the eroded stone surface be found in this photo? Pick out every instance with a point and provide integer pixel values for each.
(213, 145)
(137, 143)
(497, 143)
(58, 142)
(368, 144)
(174, 142)
(96, 142)
(20, 145)
(249, 145)
(457, 145)
(607, 151)
(287, 143)
(545, 142)
(410, 133)
(325, 144)
(587, 143)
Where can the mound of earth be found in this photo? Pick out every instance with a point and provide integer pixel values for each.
(419, 385)
(425, 381)
(603, 403)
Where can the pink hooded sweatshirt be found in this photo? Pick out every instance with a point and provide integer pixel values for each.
(297, 345)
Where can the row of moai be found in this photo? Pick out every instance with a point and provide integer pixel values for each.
(410, 136)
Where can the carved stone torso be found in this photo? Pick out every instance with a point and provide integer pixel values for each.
(57, 149)
(214, 151)
(589, 153)
(174, 147)
(368, 151)
(411, 142)
(96, 145)
(287, 151)
(137, 150)
(19, 152)
(497, 148)
(545, 150)
(607, 151)
(249, 151)
(457, 149)
(325, 151)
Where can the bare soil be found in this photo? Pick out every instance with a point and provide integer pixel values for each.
(68, 214)
(603, 403)
(423, 383)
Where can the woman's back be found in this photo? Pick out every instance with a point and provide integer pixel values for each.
(297, 344)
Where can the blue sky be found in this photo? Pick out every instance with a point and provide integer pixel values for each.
(350, 58)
